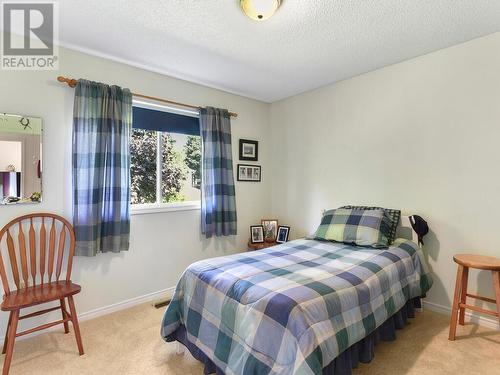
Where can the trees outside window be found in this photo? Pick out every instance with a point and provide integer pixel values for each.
(180, 159)
(192, 150)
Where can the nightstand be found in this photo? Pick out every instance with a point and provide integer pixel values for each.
(260, 246)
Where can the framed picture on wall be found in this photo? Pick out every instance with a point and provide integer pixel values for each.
(249, 150)
(248, 173)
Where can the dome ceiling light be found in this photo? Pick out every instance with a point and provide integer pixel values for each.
(260, 10)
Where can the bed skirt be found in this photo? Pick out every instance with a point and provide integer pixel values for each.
(363, 351)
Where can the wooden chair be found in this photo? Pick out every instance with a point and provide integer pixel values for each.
(481, 262)
(39, 281)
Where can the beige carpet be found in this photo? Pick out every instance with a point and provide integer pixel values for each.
(128, 342)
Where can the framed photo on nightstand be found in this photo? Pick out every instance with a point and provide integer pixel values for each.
(283, 233)
(270, 229)
(256, 234)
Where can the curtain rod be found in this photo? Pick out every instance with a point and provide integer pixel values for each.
(72, 83)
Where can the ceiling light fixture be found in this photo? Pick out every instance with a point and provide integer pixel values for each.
(260, 10)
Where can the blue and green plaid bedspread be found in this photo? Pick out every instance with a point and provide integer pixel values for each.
(292, 308)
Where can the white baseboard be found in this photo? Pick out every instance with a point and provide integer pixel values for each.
(150, 297)
(474, 318)
(105, 310)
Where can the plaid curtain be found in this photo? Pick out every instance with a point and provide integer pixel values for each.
(102, 121)
(218, 205)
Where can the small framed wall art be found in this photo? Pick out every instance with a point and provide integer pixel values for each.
(248, 172)
(249, 150)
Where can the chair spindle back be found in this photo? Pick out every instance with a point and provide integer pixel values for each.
(26, 257)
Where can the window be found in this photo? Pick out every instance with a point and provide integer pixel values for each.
(165, 151)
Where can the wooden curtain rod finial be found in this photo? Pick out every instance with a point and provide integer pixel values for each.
(71, 82)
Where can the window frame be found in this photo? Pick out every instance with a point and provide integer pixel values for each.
(158, 206)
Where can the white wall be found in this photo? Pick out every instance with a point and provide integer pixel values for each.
(422, 136)
(162, 245)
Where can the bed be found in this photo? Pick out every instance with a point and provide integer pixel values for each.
(302, 307)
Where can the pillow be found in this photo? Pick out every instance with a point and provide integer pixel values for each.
(390, 222)
(359, 227)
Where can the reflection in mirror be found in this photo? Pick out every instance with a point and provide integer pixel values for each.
(20, 159)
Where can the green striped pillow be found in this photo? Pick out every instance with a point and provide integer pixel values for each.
(390, 222)
(359, 227)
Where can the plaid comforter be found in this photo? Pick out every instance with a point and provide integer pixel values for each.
(292, 308)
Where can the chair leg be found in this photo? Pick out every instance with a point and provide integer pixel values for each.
(456, 300)
(496, 287)
(64, 316)
(7, 334)
(10, 342)
(463, 298)
(76, 327)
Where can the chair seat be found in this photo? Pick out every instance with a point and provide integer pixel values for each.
(38, 294)
(481, 262)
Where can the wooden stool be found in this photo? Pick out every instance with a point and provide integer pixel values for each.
(481, 262)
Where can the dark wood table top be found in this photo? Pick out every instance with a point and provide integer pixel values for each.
(260, 246)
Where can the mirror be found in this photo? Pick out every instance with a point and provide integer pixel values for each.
(20, 159)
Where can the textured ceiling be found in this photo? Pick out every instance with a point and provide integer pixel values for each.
(307, 44)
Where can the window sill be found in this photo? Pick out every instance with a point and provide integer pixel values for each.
(143, 209)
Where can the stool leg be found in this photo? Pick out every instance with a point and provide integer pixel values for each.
(496, 286)
(463, 298)
(456, 300)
